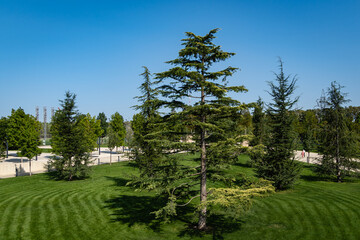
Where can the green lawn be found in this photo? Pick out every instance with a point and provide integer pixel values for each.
(101, 207)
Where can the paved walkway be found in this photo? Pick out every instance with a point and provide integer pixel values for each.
(13, 163)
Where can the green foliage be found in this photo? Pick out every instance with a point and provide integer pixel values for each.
(117, 125)
(113, 138)
(259, 123)
(73, 137)
(3, 136)
(103, 123)
(145, 151)
(237, 200)
(278, 164)
(338, 144)
(91, 130)
(307, 128)
(23, 132)
(201, 118)
(14, 125)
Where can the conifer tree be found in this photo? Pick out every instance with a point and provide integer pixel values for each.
(278, 164)
(338, 145)
(145, 151)
(258, 123)
(70, 141)
(198, 107)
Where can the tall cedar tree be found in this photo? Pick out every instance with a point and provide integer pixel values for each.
(278, 164)
(70, 140)
(145, 151)
(198, 103)
(338, 145)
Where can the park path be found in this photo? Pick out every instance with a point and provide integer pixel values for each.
(9, 165)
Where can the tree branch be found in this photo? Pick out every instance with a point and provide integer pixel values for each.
(183, 205)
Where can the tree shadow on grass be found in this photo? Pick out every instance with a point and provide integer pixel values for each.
(217, 226)
(119, 182)
(131, 210)
(314, 176)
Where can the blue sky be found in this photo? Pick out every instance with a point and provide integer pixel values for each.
(96, 49)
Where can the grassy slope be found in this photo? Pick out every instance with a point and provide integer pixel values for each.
(103, 208)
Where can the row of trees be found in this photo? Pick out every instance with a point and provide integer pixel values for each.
(20, 131)
(75, 136)
(332, 130)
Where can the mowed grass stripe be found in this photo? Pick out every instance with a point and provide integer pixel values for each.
(343, 209)
(82, 213)
(28, 218)
(12, 216)
(102, 216)
(54, 217)
(299, 209)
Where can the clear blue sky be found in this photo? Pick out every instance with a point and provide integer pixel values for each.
(96, 48)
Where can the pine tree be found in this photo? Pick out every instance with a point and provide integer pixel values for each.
(338, 145)
(145, 151)
(196, 121)
(278, 164)
(70, 141)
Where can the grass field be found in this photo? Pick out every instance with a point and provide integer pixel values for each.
(102, 207)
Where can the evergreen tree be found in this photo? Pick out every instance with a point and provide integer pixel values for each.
(197, 126)
(145, 151)
(117, 124)
(69, 141)
(278, 164)
(258, 120)
(338, 145)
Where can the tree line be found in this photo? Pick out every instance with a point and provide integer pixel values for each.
(74, 137)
